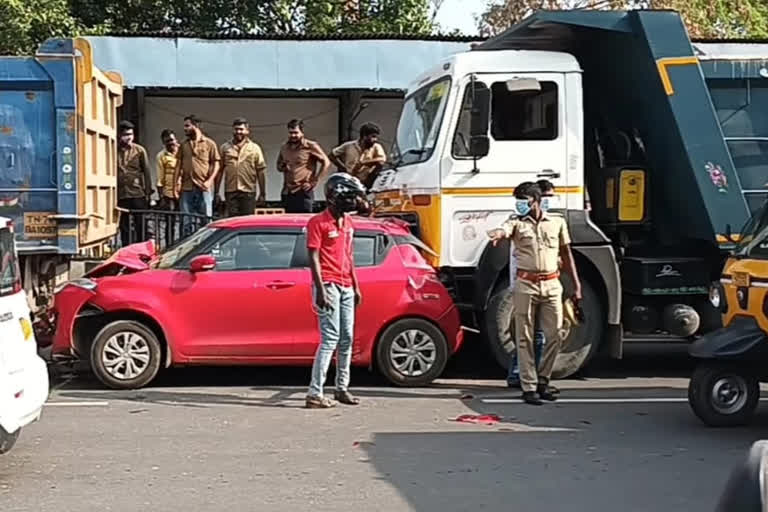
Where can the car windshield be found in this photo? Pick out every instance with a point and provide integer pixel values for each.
(754, 232)
(420, 122)
(173, 255)
(9, 269)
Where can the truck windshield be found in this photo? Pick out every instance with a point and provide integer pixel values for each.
(420, 122)
(10, 279)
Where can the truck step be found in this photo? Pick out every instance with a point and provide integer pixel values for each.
(654, 338)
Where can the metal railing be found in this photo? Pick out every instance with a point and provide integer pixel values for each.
(165, 228)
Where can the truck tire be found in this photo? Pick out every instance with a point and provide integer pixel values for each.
(723, 394)
(8, 440)
(579, 347)
(125, 355)
(398, 366)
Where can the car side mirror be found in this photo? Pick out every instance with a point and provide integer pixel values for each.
(479, 146)
(202, 263)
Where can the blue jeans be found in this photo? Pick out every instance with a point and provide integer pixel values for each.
(337, 324)
(513, 376)
(195, 201)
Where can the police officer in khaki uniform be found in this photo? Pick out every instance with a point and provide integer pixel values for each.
(540, 240)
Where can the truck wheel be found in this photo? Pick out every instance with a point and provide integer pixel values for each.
(411, 352)
(723, 394)
(580, 344)
(125, 355)
(8, 440)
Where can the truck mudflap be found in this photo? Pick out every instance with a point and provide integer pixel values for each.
(741, 337)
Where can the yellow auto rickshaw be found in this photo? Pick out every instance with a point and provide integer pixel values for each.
(732, 361)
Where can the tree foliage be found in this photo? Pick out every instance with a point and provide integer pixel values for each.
(26, 23)
(703, 18)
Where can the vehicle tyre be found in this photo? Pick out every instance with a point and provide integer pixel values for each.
(723, 394)
(580, 345)
(8, 440)
(411, 352)
(125, 355)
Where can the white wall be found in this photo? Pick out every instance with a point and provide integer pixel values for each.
(267, 116)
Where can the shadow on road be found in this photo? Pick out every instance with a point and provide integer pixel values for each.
(662, 459)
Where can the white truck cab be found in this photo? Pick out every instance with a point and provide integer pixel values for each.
(533, 130)
(23, 374)
(471, 130)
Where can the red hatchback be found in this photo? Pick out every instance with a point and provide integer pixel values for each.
(237, 292)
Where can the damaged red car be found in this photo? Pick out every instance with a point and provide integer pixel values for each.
(237, 292)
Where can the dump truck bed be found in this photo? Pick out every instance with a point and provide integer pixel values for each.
(702, 121)
(58, 148)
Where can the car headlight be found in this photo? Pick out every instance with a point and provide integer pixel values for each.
(83, 282)
(715, 296)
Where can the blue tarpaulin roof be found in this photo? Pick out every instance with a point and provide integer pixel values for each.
(299, 64)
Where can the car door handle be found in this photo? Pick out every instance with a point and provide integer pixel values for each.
(280, 285)
(548, 173)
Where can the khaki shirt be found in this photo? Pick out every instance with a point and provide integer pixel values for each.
(165, 163)
(133, 177)
(242, 163)
(350, 153)
(298, 163)
(195, 161)
(537, 244)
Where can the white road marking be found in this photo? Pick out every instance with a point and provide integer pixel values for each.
(599, 400)
(77, 404)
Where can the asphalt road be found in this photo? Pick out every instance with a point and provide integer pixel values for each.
(240, 440)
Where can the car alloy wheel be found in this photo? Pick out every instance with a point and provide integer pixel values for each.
(413, 353)
(126, 355)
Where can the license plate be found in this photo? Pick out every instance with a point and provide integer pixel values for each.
(741, 279)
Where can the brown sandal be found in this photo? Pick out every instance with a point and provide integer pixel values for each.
(346, 398)
(318, 402)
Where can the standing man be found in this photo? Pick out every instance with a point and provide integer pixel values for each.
(134, 183)
(196, 169)
(165, 163)
(243, 168)
(299, 161)
(362, 158)
(540, 240)
(547, 201)
(335, 290)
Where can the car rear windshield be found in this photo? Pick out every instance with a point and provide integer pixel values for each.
(9, 268)
(172, 256)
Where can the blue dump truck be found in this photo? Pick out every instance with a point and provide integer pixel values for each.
(58, 151)
(657, 147)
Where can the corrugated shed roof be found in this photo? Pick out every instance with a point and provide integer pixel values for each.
(309, 64)
(393, 36)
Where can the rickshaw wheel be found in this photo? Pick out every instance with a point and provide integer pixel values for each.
(723, 394)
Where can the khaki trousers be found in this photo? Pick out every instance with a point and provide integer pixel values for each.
(542, 302)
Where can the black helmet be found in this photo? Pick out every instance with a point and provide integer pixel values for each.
(344, 192)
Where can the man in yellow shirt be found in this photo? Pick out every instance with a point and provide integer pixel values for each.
(165, 163)
(362, 158)
(243, 169)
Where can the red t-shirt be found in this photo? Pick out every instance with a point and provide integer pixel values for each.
(334, 243)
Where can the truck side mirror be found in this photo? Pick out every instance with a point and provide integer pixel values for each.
(481, 110)
(479, 145)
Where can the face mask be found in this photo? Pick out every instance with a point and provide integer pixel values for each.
(522, 207)
(550, 202)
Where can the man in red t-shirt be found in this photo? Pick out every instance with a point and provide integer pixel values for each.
(334, 287)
